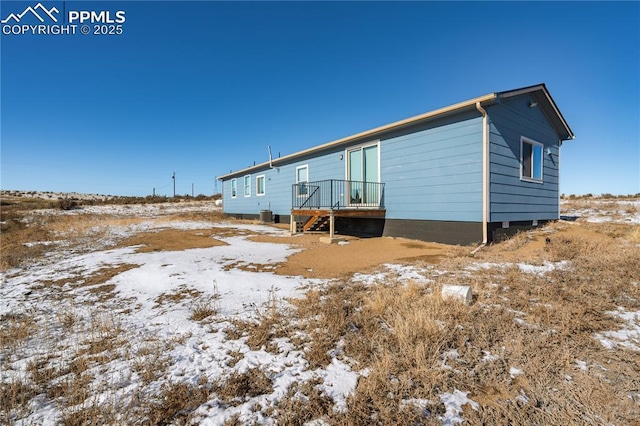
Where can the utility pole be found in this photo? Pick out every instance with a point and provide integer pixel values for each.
(154, 192)
(174, 184)
(191, 189)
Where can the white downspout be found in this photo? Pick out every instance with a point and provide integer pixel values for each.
(485, 173)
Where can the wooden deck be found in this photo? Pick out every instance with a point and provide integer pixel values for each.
(323, 220)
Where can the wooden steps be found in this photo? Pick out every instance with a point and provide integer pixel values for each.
(316, 223)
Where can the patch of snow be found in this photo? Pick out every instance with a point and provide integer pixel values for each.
(628, 336)
(450, 354)
(522, 397)
(396, 272)
(582, 365)
(488, 357)
(544, 268)
(419, 403)
(513, 372)
(524, 267)
(604, 211)
(339, 383)
(453, 403)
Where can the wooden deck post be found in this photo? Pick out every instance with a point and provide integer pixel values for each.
(331, 224)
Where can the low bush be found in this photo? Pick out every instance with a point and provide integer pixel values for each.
(68, 204)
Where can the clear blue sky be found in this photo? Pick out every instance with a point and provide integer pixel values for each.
(201, 88)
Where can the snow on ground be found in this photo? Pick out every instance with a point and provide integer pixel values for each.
(524, 267)
(603, 210)
(151, 305)
(219, 276)
(628, 336)
(393, 272)
(454, 401)
(215, 273)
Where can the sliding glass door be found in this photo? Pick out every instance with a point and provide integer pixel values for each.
(363, 167)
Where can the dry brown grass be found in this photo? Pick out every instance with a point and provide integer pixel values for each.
(175, 403)
(15, 328)
(15, 397)
(303, 403)
(412, 344)
(21, 242)
(203, 309)
(238, 387)
(26, 237)
(150, 361)
(415, 345)
(269, 323)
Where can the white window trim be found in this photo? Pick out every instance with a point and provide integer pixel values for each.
(306, 166)
(234, 181)
(524, 139)
(264, 186)
(244, 185)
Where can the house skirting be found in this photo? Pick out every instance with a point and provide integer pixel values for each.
(462, 233)
(447, 232)
(277, 218)
(434, 231)
(498, 233)
(424, 230)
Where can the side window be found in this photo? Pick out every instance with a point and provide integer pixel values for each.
(247, 186)
(260, 183)
(234, 188)
(302, 178)
(531, 160)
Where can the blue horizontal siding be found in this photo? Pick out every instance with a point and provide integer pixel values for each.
(511, 198)
(435, 173)
(278, 184)
(431, 171)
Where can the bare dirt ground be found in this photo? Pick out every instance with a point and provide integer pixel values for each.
(321, 260)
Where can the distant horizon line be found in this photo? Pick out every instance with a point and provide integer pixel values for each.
(32, 192)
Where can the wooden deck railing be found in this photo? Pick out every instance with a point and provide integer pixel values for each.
(334, 194)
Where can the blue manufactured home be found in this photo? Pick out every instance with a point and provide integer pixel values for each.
(469, 172)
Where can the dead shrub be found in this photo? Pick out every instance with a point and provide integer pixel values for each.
(270, 322)
(206, 307)
(303, 403)
(202, 310)
(239, 387)
(15, 396)
(15, 328)
(176, 403)
(68, 204)
(150, 362)
(92, 414)
(567, 248)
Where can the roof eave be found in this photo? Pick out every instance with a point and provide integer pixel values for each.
(369, 133)
(558, 121)
(561, 125)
